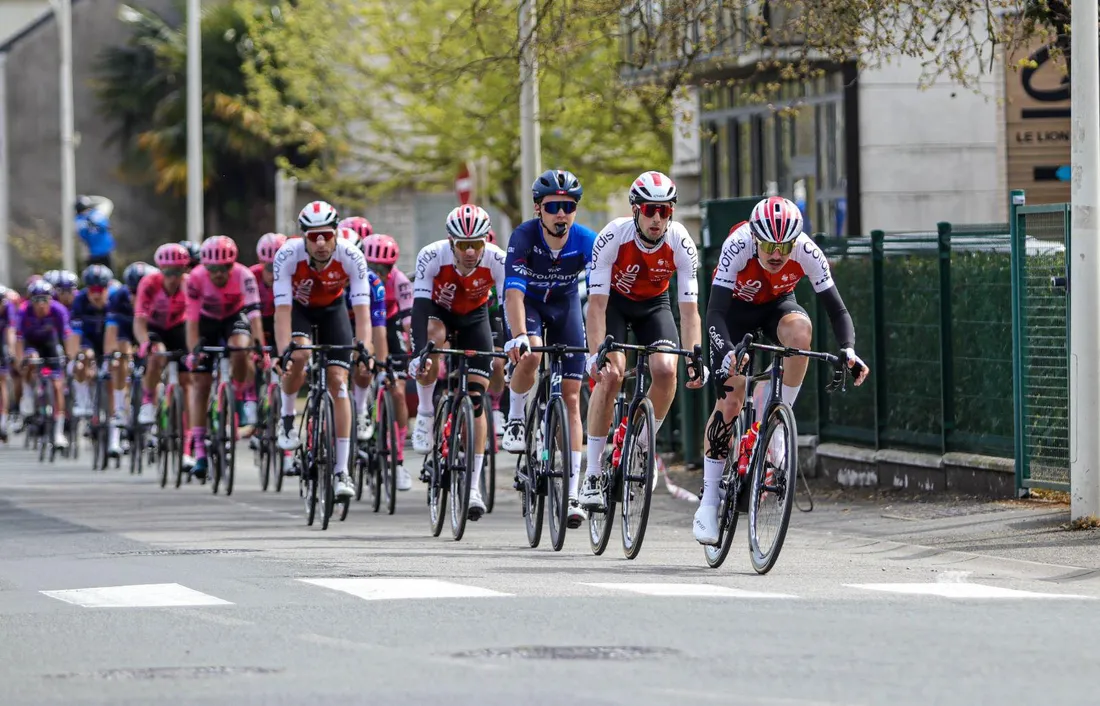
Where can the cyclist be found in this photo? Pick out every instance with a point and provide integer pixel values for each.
(193, 252)
(761, 263)
(118, 338)
(42, 329)
(310, 276)
(223, 309)
(88, 320)
(546, 256)
(7, 347)
(64, 285)
(632, 262)
(496, 323)
(264, 272)
(159, 312)
(360, 225)
(381, 253)
(451, 298)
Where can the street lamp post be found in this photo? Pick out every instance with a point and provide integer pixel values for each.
(63, 10)
(194, 122)
(530, 138)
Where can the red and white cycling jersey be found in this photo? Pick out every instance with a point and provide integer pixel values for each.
(622, 263)
(740, 270)
(296, 281)
(438, 279)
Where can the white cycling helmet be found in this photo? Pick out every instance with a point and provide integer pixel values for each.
(653, 187)
(468, 222)
(775, 220)
(318, 215)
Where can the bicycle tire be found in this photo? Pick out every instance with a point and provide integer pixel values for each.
(137, 441)
(229, 441)
(461, 467)
(99, 429)
(164, 435)
(534, 501)
(324, 460)
(353, 451)
(268, 435)
(778, 414)
(558, 449)
(386, 432)
(47, 435)
(488, 482)
(638, 480)
(74, 424)
(214, 439)
(179, 436)
(601, 523)
(727, 507)
(438, 481)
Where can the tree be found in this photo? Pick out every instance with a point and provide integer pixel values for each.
(142, 85)
(421, 87)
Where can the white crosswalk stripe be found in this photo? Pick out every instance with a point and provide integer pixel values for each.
(687, 589)
(391, 589)
(958, 590)
(152, 595)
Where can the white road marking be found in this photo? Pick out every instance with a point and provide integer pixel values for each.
(151, 595)
(688, 589)
(958, 590)
(400, 589)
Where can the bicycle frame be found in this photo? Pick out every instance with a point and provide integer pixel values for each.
(553, 354)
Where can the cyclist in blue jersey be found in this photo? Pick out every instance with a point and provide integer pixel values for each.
(88, 321)
(546, 256)
(118, 337)
(93, 225)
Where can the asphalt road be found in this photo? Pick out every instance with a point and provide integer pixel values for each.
(212, 600)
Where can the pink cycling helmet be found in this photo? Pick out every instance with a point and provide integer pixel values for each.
(218, 250)
(359, 224)
(349, 235)
(172, 255)
(269, 245)
(381, 249)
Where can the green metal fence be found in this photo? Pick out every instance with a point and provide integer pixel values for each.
(1040, 240)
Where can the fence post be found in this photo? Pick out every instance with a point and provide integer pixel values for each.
(820, 326)
(878, 317)
(947, 357)
(1014, 216)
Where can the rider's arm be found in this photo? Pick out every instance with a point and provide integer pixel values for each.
(282, 288)
(687, 289)
(141, 310)
(596, 323)
(515, 283)
(427, 267)
(515, 312)
(718, 331)
(839, 318)
(816, 268)
(193, 294)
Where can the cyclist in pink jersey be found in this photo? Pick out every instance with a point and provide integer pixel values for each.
(264, 272)
(223, 309)
(381, 253)
(159, 312)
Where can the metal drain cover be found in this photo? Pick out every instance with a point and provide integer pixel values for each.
(151, 673)
(620, 653)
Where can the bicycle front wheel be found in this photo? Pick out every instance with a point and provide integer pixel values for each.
(385, 434)
(461, 465)
(325, 457)
(727, 507)
(639, 467)
(534, 496)
(438, 479)
(229, 436)
(558, 465)
(771, 493)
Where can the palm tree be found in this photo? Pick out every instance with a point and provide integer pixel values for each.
(142, 86)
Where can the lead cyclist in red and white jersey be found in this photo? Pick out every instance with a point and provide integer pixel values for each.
(761, 263)
(632, 262)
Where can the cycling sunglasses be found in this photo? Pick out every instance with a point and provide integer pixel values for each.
(769, 248)
(96, 289)
(40, 299)
(555, 207)
(217, 269)
(173, 271)
(464, 245)
(649, 210)
(317, 236)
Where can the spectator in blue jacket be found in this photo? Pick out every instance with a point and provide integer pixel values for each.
(93, 225)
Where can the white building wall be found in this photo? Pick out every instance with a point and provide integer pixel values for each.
(928, 155)
(17, 14)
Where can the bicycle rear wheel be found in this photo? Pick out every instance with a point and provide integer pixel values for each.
(487, 484)
(558, 463)
(164, 432)
(727, 507)
(771, 494)
(639, 466)
(177, 435)
(439, 480)
(229, 436)
(137, 441)
(325, 459)
(461, 465)
(385, 434)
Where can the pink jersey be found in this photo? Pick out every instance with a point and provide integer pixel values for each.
(399, 294)
(206, 300)
(267, 294)
(161, 310)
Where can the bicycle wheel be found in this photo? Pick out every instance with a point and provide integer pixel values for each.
(639, 466)
(601, 522)
(215, 434)
(325, 459)
(74, 424)
(488, 482)
(385, 435)
(137, 431)
(461, 465)
(267, 437)
(98, 424)
(727, 505)
(229, 436)
(558, 463)
(176, 435)
(438, 478)
(164, 436)
(771, 494)
(534, 496)
(47, 435)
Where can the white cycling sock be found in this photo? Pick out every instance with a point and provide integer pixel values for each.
(360, 395)
(657, 423)
(343, 447)
(475, 482)
(424, 403)
(596, 446)
(289, 404)
(120, 401)
(517, 404)
(574, 472)
(790, 393)
(712, 476)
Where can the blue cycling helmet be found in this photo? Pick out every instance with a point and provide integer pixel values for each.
(53, 277)
(132, 275)
(97, 276)
(192, 251)
(556, 182)
(40, 288)
(66, 280)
